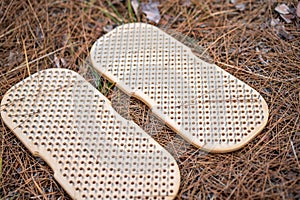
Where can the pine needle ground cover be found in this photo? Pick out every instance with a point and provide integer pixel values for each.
(249, 39)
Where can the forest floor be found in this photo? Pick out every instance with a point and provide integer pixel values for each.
(248, 39)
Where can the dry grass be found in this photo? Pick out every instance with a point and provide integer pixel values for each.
(52, 33)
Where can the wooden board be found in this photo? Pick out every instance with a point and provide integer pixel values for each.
(207, 106)
(93, 151)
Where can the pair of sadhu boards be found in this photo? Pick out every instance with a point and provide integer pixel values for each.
(97, 154)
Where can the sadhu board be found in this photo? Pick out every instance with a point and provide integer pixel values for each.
(94, 152)
(204, 104)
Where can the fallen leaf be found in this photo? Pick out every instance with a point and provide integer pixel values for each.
(240, 7)
(282, 9)
(298, 9)
(151, 11)
(287, 18)
(135, 6)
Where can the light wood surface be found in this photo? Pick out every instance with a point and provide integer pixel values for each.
(93, 151)
(207, 106)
